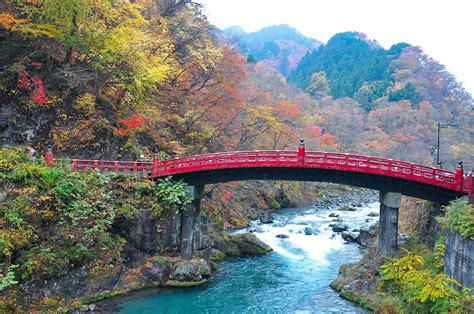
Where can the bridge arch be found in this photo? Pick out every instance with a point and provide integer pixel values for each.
(392, 178)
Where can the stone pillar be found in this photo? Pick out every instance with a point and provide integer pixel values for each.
(388, 221)
(459, 259)
(188, 219)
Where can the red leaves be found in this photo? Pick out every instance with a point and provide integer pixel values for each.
(328, 139)
(135, 122)
(24, 81)
(228, 195)
(39, 97)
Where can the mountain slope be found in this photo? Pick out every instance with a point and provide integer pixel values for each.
(281, 46)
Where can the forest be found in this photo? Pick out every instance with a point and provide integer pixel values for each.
(162, 77)
(107, 79)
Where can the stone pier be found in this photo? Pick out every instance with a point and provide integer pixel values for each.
(388, 221)
(188, 218)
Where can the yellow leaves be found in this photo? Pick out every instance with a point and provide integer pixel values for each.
(85, 103)
(417, 283)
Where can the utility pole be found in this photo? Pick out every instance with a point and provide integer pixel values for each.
(441, 126)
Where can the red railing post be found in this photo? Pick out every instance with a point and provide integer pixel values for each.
(460, 176)
(301, 152)
(155, 164)
(49, 157)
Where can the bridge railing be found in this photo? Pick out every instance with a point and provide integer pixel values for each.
(454, 180)
(322, 160)
(106, 165)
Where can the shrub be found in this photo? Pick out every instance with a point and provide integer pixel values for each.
(459, 218)
(172, 193)
(421, 288)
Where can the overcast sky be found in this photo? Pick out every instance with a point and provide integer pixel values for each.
(444, 29)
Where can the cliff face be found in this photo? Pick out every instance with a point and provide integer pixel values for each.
(459, 259)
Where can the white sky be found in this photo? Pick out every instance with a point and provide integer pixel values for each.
(444, 29)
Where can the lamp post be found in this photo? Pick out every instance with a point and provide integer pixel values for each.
(441, 126)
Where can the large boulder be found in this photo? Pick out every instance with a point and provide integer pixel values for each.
(339, 227)
(350, 236)
(193, 270)
(267, 219)
(249, 244)
(157, 271)
(226, 246)
(367, 235)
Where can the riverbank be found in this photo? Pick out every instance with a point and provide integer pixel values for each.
(65, 253)
(297, 273)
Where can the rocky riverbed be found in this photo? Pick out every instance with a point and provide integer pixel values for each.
(307, 253)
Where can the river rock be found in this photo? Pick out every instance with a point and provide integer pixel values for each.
(346, 208)
(249, 244)
(203, 268)
(339, 227)
(226, 246)
(367, 236)
(338, 220)
(350, 236)
(267, 219)
(157, 272)
(310, 231)
(186, 271)
(333, 215)
(282, 236)
(193, 270)
(373, 214)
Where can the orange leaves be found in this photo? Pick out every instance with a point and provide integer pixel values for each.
(289, 111)
(329, 140)
(7, 21)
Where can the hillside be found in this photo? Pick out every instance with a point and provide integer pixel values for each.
(281, 46)
(119, 80)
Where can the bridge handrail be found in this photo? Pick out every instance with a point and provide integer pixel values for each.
(311, 159)
(106, 165)
(454, 180)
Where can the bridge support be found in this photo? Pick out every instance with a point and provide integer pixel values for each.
(188, 219)
(388, 221)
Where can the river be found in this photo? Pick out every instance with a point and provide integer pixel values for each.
(294, 278)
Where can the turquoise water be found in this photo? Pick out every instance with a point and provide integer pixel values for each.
(292, 279)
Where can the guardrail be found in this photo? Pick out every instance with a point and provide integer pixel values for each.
(321, 160)
(453, 180)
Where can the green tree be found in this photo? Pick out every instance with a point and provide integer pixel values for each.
(408, 92)
(318, 85)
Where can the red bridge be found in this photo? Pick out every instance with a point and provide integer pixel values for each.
(392, 178)
(364, 171)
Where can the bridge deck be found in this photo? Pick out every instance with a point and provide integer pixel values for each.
(452, 180)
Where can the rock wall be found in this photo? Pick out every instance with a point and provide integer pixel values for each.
(459, 259)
